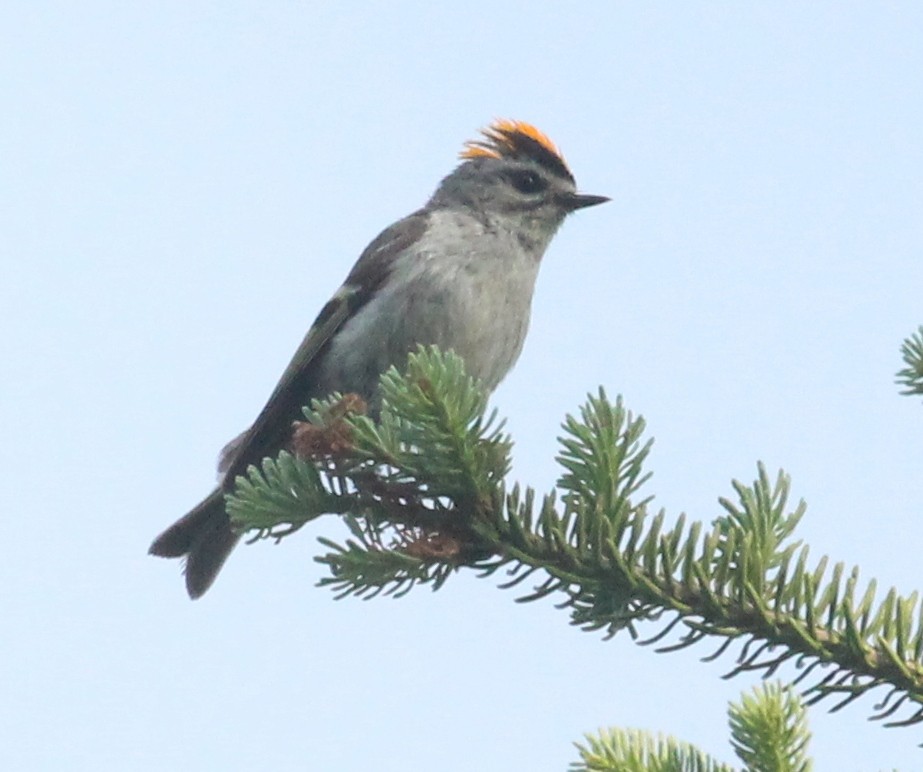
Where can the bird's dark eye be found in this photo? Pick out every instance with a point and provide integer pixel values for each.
(527, 182)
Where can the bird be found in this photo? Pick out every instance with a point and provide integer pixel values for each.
(458, 273)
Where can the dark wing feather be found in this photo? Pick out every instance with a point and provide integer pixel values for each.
(272, 427)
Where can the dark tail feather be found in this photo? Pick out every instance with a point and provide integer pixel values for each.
(204, 537)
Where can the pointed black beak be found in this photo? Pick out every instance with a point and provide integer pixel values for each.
(574, 201)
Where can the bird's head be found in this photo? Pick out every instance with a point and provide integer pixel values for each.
(514, 177)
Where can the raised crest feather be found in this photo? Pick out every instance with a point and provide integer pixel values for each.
(517, 141)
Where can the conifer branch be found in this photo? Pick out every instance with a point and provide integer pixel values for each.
(633, 750)
(423, 491)
(911, 376)
(769, 733)
(769, 730)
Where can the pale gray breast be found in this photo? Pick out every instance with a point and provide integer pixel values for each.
(459, 287)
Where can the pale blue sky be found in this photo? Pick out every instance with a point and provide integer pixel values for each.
(184, 186)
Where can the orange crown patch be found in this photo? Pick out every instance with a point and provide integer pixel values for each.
(518, 141)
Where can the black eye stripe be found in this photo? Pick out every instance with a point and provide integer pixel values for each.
(526, 181)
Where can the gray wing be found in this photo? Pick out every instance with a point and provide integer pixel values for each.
(272, 427)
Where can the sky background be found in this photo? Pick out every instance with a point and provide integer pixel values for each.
(185, 184)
